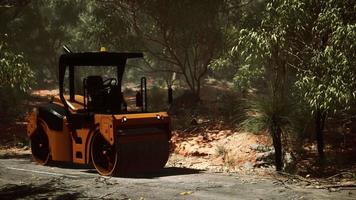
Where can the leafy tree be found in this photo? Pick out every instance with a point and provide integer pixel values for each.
(184, 35)
(14, 71)
(308, 44)
(264, 64)
(102, 24)
(234, 16)
(16, 77)
(39, 29)
(326, 71)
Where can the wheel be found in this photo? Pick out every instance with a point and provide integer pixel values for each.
(104, 156)
(40, 146)
(129, 158)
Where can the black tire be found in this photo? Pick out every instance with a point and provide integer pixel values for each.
(103, 155)
(40, 146)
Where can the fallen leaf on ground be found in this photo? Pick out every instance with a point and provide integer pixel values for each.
(186, 193)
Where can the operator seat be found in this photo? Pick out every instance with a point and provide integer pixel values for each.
(94, 93)
(94, 101)
(116, 100)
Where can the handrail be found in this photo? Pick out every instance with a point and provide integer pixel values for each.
(144, 93)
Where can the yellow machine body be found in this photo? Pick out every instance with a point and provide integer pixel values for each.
(63, 146)
(97, 127)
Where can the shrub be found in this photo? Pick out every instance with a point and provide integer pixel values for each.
(157, 99)
(230, 107)
(16, 78)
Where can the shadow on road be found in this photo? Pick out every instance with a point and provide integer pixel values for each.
(15, 156)
(48, 190)
(68, 165)
(169, 171)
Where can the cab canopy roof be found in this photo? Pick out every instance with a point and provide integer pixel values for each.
(71, 60)
(96, 58)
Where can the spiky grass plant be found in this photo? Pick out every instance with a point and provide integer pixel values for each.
(269, 112)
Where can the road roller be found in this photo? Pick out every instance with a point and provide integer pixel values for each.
(95, 127)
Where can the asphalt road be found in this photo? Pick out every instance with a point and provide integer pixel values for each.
(20, 178)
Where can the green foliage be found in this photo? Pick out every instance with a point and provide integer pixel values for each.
(174, 37)
(253, 51)
(16, 78)
(264, 110)
(263, 65)
(104, 24)
(265, 57)
(254, 124)
(15, 72)
(327, 80)
(39, 30)
(230, 107)
(157, 99)
(314, 40)
(304, 45)
(221, 151)
(264, 52)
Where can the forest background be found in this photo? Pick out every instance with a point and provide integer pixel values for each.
(286, 68)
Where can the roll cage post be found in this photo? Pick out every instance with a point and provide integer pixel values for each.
(72, 60)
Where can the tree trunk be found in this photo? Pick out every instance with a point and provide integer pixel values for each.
(277, 143)
(197, 92)
(319, 129)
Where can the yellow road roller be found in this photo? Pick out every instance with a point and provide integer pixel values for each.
(96, 127)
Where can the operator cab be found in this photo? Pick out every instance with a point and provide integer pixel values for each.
(103, 96)
(96, 93)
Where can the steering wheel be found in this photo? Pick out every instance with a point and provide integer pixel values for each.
(109, 82)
